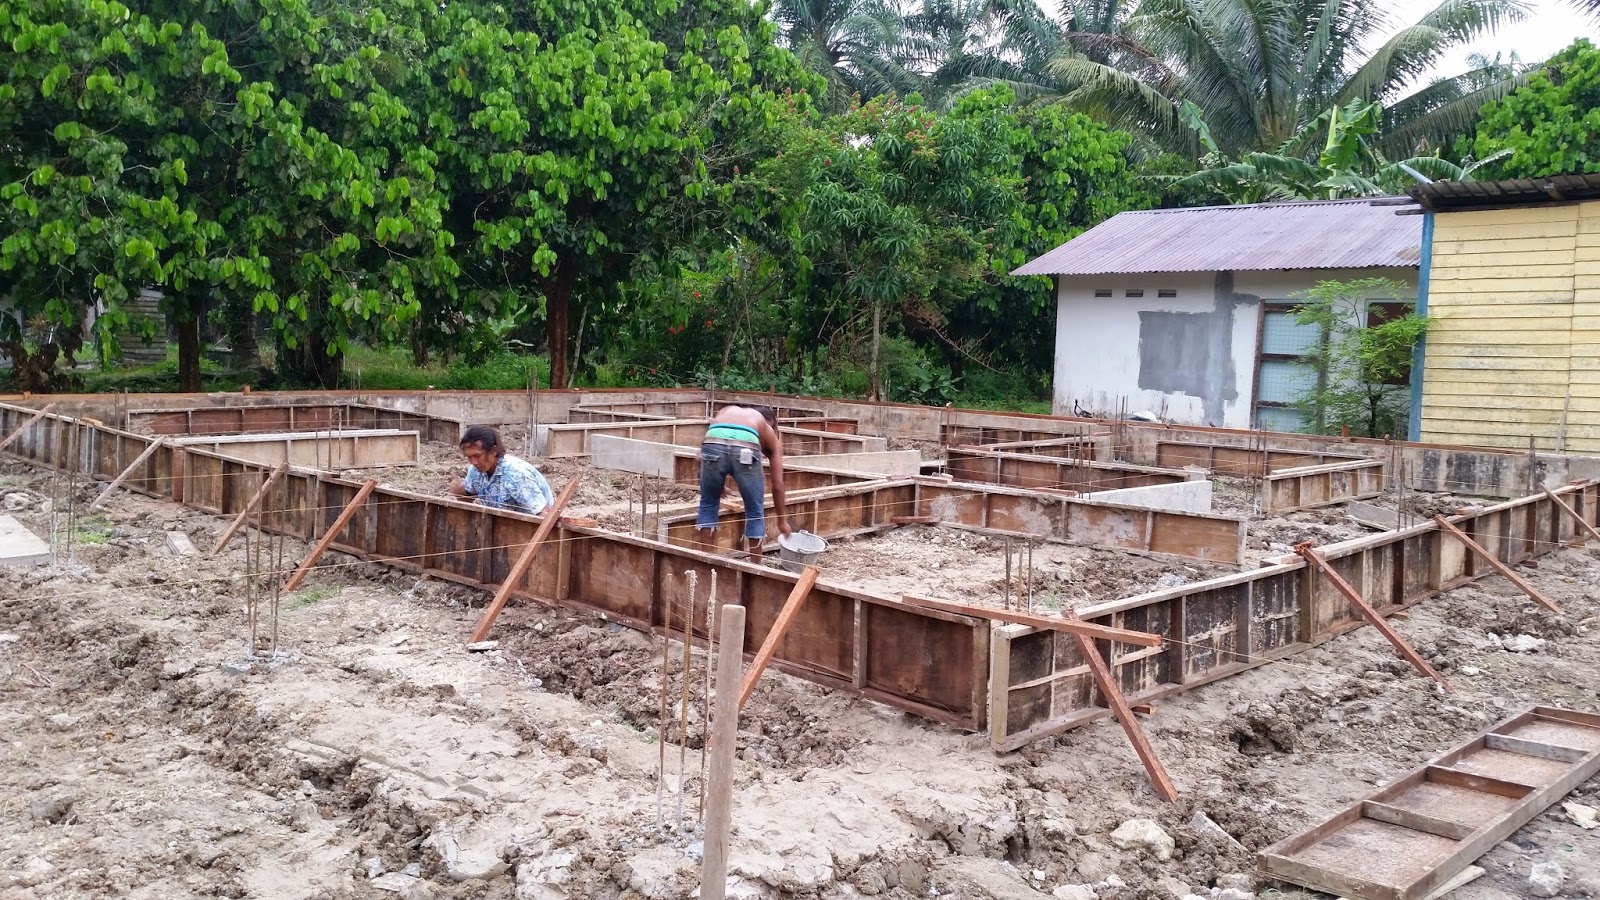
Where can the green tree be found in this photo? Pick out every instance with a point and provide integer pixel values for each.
(1260, 72)
(1551, 124)
(1348, 164)
(1364, 367)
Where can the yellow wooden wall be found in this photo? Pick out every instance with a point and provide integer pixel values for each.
(1515, 348)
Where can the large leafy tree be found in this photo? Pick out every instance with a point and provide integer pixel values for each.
(1260, 70)
(1551, 125)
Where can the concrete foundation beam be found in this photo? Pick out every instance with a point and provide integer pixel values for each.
(1189, 497)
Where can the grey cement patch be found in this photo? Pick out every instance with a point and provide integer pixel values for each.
(1192, 353)
(20, 547)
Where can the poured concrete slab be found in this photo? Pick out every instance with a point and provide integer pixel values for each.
(20, 547)
(893, 463)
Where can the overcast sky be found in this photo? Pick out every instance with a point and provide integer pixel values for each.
(1552, 26)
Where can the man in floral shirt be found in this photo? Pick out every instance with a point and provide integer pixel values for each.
(498, 479)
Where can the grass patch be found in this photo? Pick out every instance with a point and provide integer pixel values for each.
(311, 596)
(88, 530)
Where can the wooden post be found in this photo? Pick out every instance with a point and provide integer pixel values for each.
(238, 521)
(1401, 644)
(333, 532)
(39, 414)
(138, 461)
(552, 517)
(1107, 684)
(769, 647)
(1483, 553)
(1556, 499)
(724, 739)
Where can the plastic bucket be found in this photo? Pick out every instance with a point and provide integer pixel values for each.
(800, 549)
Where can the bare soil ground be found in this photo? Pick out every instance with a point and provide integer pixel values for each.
(143, 755)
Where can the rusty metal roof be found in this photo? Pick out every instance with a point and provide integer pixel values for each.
(1445, 196)
(1322, 234)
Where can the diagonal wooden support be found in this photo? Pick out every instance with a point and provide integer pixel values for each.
(1107, 684)
(1562, 504)
(1311, 556)
(1070, 626)
(769, 647)
(138, 461)
(333, 532)
(260, 494)
(1483, 553)
(39, 414)
(552, 517)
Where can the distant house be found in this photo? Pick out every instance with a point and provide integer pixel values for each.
(1511, 273)
(1187, 313)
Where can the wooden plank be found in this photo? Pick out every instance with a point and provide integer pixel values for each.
(552, 517)
(1497, 565)
(1063, 624)
(37, 415)
(327, 538)
(1512, 744)
(1401, 644)
(255, 500)
(1130, 725)
(1572, 513)
(138, 461)
(1415, 821)
(791, 607)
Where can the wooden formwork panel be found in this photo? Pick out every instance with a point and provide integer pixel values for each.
(1222, 459)
(821, 640)
(560, 441)
(938, 663)
(1308, 487)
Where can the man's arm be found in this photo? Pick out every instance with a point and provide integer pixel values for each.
(772, 442)
(458, 486)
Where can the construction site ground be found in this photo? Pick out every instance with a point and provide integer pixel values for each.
(146, 757)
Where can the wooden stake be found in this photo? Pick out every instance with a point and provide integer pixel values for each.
(333, 532)
(24, 426)
(1401, 644)
(239, 520)
(769, 647)
(1070, 626)
(1119, 707)
(724, 738)
(1556, 499)
(1497, 565)
(552, 517)
(138, 461)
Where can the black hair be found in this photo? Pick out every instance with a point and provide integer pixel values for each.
(483, 435)
(767, 413)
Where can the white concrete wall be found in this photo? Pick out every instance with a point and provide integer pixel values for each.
(1098, 340)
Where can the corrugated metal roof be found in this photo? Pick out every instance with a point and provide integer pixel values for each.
(1323, 234)
(1444, 196)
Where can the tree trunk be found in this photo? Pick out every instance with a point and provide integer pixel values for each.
(189, 352)
(309, 363)
(877, 351)
(557, 294)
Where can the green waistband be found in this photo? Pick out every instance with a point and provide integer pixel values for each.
(729, 432)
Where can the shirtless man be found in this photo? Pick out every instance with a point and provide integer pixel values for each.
(733, 446)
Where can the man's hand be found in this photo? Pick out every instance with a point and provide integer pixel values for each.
(783, 526)
(458, 488)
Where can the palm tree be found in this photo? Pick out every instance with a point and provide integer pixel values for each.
(1261, 70)
(852, 44)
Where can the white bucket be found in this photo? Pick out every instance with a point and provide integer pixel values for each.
(800, 549)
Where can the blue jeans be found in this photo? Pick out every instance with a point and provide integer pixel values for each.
(718, 463)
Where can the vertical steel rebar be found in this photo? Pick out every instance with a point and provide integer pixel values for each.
(705, 693)
(683, 705)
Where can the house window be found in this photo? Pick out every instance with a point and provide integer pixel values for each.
(1102, 292)
(1285, 367)
(1133, 292)
(1167, 293)
(1381, 311)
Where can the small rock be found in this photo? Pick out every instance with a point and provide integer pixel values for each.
(65, 720)
(399, 640)
(51, 811)
(374, 867)
(1235, 894)
(1210, 830)
(1546, 879)
(481, 646)
(1236, 881)
(1170, 888)
(34, 871)
(305, 816)
(393, 882)
(175, 670)
(417, 890)
(306, 787)
(1585, 817)
(7, 637)
(1145, 836)
(16, 502)
(1074, 892)
(1471, 670)
(412, 869)
(1524, 643)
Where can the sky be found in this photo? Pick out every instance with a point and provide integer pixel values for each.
(1552, 26)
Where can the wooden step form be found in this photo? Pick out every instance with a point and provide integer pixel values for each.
(1419, 831)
